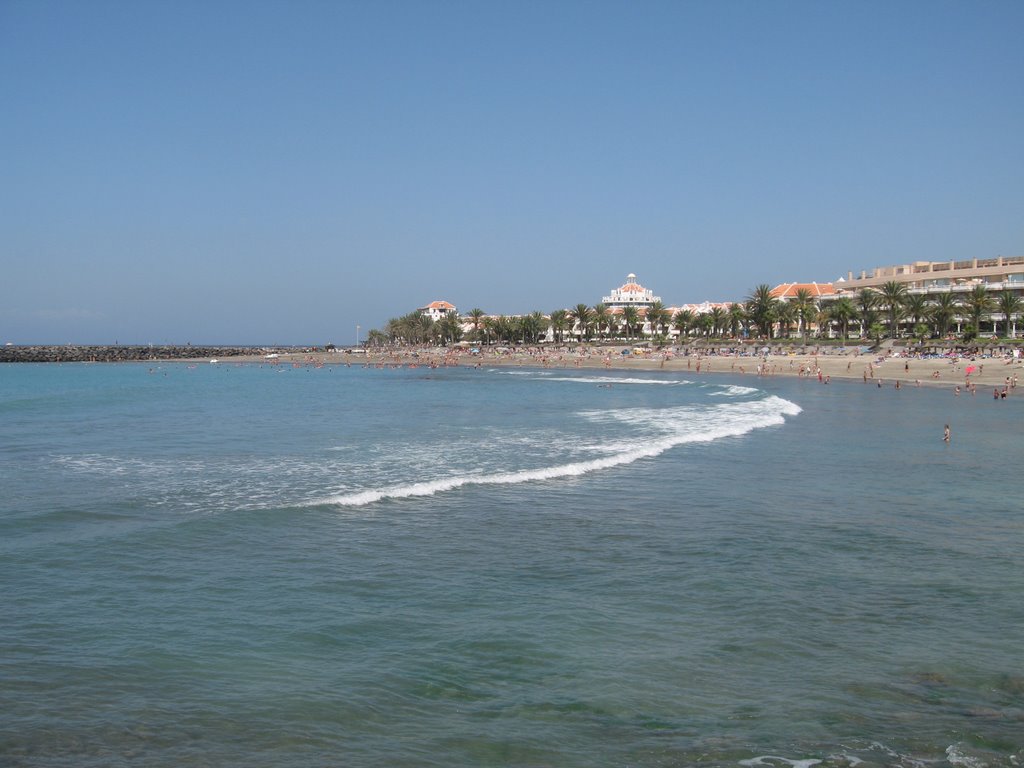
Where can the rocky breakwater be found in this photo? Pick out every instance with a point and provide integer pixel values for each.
(74, 353)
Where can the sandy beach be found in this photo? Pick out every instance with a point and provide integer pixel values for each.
(887, 368)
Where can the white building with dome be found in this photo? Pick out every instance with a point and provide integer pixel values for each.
(630, 294)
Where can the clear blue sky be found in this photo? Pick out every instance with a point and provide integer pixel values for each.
(279, 172)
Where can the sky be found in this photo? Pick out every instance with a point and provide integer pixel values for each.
(221, 172)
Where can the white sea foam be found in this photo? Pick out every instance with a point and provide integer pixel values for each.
(956, 756)
(617, 380)
(616, 437)
(677, 426)
(775, 760)
(550, 376)
(109, 465)
(733, 390)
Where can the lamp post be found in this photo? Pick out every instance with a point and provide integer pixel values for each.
(357, 336)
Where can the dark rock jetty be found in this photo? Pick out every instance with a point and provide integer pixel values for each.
(75, 353)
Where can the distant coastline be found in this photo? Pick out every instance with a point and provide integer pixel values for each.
(92, 353)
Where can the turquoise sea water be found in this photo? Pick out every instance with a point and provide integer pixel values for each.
(243, 565)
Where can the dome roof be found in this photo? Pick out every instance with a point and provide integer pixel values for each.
(631, 293)
(632, 286)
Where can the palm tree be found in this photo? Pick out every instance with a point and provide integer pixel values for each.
(978, 303)
(509, 329)
(490, 326)
(412, 328)
(613, 325)
(718, 320)
(867, 300)
(1009, 304)
(842, 311)
(877, 331)
(917, 309)
(630, 319)
(762, 306)
(894, 294)
(681, 321)
(582, 315)
(426, 327)
(944, 309)
(658, 317)
(822, 322)
(786, 314)
(449, 328)
(377, 338)
(806, 308)
(600, 317)
(500, 328)
(737, 318)
(559, 323)
(533, 326)
(705, 324)
(920, 332)
(476, 315)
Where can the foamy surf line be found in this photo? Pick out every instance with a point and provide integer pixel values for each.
(733, 420)
(550, 376)
(617, 380)
(733, 390)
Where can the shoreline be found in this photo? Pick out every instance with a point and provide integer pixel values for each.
(832, 364)
(887, 370)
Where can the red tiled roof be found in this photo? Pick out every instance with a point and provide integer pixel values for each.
(788, 290)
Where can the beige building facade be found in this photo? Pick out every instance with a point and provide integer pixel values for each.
(996, 274)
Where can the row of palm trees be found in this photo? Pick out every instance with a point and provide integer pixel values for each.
(416, 329)
(761, 314)
(580, 323)
(915, 314)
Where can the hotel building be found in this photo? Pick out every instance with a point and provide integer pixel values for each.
(630, 294)
(929, 278)
(998, 274)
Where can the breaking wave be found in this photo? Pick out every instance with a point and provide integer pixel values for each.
(678, 426)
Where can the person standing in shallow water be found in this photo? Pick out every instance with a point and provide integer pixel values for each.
(945, 434)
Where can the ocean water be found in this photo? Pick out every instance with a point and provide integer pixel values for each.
(224, 565)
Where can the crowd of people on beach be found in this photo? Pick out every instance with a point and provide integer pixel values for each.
(953, 367)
